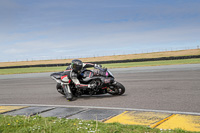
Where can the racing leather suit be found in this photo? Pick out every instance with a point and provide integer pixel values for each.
(69, 74)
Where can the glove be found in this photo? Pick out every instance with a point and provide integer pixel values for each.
(92, 86)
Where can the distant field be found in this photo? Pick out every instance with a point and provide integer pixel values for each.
(114, 65)
(108, 58)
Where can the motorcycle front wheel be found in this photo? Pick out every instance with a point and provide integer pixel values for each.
(60, 89)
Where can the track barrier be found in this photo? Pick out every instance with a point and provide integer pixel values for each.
(109, 62)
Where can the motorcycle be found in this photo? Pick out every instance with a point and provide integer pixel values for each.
(103, 83)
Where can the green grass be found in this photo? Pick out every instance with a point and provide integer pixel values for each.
(153, 63)
(31, 70)
(38, 124)
(115, 65)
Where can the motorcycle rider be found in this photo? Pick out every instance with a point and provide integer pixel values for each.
(73, 72)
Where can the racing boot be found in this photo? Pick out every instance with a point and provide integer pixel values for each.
(68, 93)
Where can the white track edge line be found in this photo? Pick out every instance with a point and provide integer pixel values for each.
(114, 108)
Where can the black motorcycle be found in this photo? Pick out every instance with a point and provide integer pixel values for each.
(104, 84)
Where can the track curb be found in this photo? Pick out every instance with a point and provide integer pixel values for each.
(161, 119)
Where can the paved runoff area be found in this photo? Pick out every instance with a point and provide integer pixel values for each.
(154, 119)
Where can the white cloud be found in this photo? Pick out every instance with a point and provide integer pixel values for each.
(61, 28)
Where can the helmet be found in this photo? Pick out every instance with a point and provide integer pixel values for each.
(77, 65)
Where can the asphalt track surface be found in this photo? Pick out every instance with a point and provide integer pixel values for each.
(171, 88)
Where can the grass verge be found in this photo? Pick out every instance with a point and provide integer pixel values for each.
(188, 52)
(115, 65)
(38, 124)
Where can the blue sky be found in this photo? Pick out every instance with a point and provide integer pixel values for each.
(49, 29)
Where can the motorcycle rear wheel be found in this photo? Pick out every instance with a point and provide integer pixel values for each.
(118, 88)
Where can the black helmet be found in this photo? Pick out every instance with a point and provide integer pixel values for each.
(77, 65)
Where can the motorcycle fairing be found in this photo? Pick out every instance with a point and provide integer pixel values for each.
(57, 75)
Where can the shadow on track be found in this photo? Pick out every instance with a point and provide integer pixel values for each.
(88, 97)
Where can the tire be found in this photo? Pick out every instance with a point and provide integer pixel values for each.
(118, 88)
(60, 89)
(121, 88)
